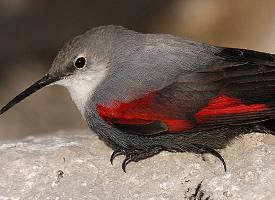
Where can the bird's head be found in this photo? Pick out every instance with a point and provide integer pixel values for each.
(80, 66)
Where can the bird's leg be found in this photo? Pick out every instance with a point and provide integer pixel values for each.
(133, 155)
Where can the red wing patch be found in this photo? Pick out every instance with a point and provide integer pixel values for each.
(139, 112)
(223, 105)
(145, 111)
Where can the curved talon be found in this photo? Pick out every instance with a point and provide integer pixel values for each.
(218, 155)
(214, 153)
(116, 153)
(132, 155)
(126, 161)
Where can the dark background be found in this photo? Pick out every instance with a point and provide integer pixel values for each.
(32, 32)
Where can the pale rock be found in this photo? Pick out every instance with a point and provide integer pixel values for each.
(75, 165)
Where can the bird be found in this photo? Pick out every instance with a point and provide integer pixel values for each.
(147, 93)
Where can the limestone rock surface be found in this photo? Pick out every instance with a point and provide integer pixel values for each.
(75, 165)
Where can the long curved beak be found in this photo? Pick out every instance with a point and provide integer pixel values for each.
(44, 81)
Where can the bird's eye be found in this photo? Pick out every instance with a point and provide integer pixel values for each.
(80, 62)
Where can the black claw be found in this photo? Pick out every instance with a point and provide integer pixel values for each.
(218, 155)
(115, 154)
(131, 155)
(126, 161)
(214, 153)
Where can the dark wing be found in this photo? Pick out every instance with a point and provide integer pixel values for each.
(238, 89)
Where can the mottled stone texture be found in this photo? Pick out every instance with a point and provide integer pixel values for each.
(75, 165)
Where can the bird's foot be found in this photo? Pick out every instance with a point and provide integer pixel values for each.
(133, 155)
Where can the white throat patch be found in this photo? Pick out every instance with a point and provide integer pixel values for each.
(81, 86)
